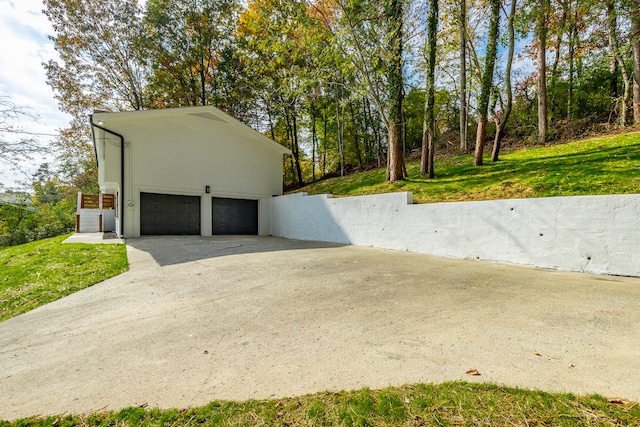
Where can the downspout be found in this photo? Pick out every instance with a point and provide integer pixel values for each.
(121, 166)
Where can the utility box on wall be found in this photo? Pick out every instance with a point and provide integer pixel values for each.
(108, 221)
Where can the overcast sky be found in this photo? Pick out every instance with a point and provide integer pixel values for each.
(24, 32)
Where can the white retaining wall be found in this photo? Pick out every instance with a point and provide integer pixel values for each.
(594, 234)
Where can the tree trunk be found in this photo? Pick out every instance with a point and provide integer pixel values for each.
(395, 168)
(558, 45)
(463, 76)
(339, 130)
(375, 128)
(273, 135)
(613, 64)
(324, 138)
(635, 32)
(487, 80)
(635, 44)
(356, 141)
(340, 139)
(507, 111)
(368, 143)
(612, 17)
(613, 86)
(295, 147)
(424, 151)
(375, 142)
(429, 127)
(293, 152)
(297, 151)
(573, 35)
(203, 84)
(541, 35)
(313, 145)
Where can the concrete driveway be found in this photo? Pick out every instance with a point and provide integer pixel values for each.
(204, 318)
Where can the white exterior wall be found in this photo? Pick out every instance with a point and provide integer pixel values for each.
(180, 158)
(108, 147)
(184, 157)
(594, 234)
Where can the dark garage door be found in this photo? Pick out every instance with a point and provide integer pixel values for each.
(234, 216)
(166, 214)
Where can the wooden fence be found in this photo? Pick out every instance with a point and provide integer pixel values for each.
(97, 202)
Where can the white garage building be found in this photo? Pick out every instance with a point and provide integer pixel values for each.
(184, 171)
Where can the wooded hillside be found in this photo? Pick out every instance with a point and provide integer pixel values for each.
(350, 84)
(602, 165)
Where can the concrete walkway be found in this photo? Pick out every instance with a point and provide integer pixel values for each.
(92, 238)
(204, 318)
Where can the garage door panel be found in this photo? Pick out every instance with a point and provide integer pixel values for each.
(169, 214)
(234, 216)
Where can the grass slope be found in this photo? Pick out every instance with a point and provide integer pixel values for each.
(39, 272)
(604, 165)
(448, 404)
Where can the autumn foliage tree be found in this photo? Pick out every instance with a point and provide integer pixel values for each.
(187, 42)
(103, 64)
(343, 83)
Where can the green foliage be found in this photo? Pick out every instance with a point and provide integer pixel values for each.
(608, 165)
(15, 220)
(275, 47)
(77, 164)
(188, 42)
(413, 107)
(36, 273)
(25, 223)
(445, 111)
(591, 104)
(48, 212)
(448, 404)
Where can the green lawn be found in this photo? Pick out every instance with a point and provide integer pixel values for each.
(604, 165)
(39, 272)
(448, 404)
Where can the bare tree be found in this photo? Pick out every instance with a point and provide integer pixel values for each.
(16, 144)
